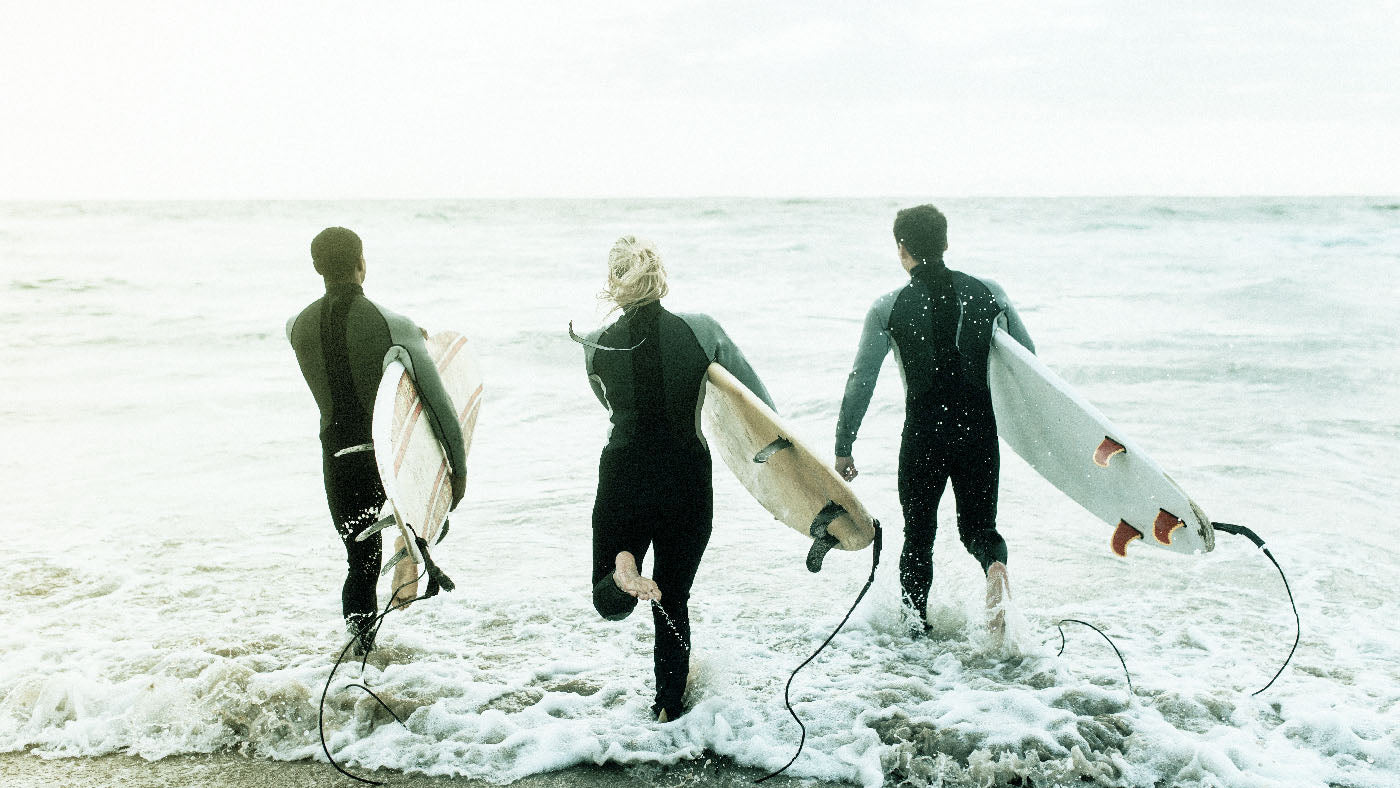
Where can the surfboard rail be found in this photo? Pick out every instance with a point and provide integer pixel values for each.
(780, 471)
(1076, 448)
(414, 469)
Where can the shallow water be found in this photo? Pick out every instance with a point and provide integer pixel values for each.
(174, 577)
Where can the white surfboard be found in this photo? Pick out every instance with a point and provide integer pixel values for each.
(1077, 449)
(415, 471)
(790, 480)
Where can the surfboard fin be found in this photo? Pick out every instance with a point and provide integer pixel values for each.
(394, 561)
(379, 525)
(1122, 535)
(446, 524)
(1107, 450)
(436, 577)
(1165, 525)
(822, 541)
(768, 451)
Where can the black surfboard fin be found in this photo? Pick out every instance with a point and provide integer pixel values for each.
(822, 541)
(443, 533)
(436, 577)
(379, 525)
(766, 453)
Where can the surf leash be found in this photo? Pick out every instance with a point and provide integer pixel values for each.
(1060, 625)
(595, 345)
(1237, 530)
(787, 701)
(1240, 530)
(435, 583)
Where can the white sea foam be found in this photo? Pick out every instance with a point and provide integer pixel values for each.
(173, 579)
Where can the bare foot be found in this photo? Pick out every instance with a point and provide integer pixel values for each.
(627, 577)
(998, 591)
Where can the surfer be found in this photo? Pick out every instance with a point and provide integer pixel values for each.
(343, 341)
(940, 326)
(648, 370)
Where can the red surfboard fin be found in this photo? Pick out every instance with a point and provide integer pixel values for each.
(1165, 525)
(1106, 450)
(1122, 535)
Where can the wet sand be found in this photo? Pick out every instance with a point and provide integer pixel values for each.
(21, 770)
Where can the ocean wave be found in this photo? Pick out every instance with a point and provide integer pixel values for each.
(174, 580)
(880, 709)
(69, 285)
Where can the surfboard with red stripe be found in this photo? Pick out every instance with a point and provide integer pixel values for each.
(415, 471)
(1077, 449)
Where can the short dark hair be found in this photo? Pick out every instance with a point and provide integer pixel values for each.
(336, 252)
(923, 231)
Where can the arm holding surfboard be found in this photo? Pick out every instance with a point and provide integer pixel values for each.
(722, 351)
(410, 350)
(1009, 319)
(860, 384)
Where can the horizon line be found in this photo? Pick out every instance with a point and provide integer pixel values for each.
(672, 198)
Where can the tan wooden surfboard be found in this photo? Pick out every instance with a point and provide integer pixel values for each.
(791, 481)
(415, 472)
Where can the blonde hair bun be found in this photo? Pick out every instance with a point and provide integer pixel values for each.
(635, 273)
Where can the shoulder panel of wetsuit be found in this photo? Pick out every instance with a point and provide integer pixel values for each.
(311, 312)
(408, 347)
(304, 334)
(1009, 318)
(720, 349)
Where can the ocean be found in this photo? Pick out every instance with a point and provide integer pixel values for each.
(173, 576)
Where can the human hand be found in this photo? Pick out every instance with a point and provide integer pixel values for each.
(846, 468)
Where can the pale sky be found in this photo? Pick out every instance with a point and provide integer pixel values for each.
(322, 100)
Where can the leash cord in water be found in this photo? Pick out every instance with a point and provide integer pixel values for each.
(1240, 530)
(373, 628)
(875, 562)
(1060, 626)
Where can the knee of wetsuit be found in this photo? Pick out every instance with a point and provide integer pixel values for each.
(611, 602)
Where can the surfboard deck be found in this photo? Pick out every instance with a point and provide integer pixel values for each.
(412, 466)
(782, 473)
(1077, 449)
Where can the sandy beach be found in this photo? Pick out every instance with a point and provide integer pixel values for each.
(21, 770)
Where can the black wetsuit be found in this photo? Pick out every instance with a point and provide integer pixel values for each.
(654, 474)
(940, 327)
(343, 342)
